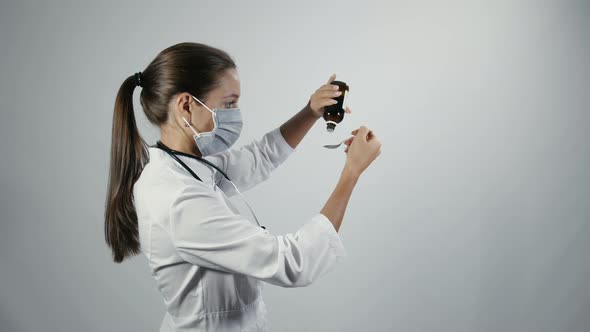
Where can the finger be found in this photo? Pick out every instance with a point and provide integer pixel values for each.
(329, 93)
(354, 132)
(363, 131)
(328, 102)
(330, 87)
(333, 77)
(347, 110)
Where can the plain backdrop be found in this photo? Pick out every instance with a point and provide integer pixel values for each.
(476, 216)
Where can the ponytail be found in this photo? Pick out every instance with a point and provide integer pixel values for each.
(129, 155)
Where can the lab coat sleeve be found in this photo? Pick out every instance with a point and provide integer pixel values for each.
(252, 163)
(207, 233)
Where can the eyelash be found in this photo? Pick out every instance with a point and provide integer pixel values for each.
(229, 102)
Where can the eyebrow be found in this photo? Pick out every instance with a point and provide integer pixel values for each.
(232, 95)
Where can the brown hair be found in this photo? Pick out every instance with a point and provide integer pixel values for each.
(184, 67)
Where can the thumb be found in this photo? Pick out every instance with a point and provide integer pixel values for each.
(332, 78)
(363, 131)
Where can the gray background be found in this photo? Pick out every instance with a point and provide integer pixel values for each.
(474, 218)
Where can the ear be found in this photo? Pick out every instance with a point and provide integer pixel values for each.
(183, 105)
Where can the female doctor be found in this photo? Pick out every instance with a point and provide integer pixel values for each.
(170, 200)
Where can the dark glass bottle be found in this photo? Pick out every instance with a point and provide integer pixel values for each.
(334, 114)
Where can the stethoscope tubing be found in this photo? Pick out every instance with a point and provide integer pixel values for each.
(173, 154)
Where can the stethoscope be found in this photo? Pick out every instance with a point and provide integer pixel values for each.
(173, 154)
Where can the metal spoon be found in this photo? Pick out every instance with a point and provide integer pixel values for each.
(334, 146)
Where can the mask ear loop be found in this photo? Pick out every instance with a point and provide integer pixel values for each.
(189, 125)
(213, 114)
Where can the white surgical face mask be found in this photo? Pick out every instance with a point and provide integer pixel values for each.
(226, 131)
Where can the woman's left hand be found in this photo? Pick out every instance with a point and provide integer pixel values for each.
(324, 96)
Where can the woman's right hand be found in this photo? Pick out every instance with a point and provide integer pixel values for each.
(361, 149)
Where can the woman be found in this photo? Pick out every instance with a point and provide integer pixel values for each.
(170, 200)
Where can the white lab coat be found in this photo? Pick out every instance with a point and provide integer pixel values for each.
(208, 260)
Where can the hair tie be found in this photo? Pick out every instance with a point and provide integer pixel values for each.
(138, 79)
